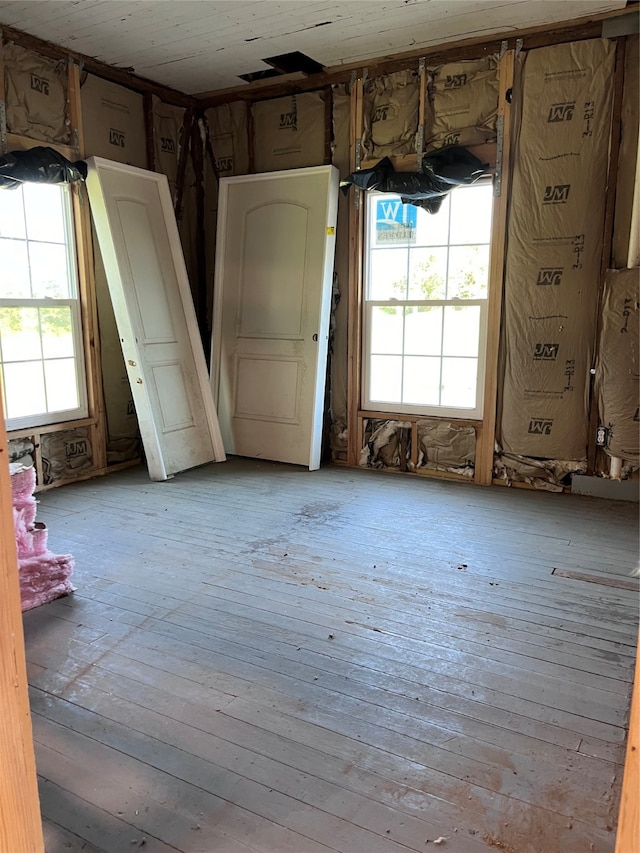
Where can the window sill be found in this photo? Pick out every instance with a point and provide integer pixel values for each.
(475, 421)
(23, 432)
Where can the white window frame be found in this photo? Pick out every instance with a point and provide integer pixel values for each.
(44, 419)
(474, 413)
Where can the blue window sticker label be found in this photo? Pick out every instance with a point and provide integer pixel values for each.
(395, 222)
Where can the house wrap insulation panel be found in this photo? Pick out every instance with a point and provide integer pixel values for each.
(554, 248)
(168, 123)
(446, 446)
(35, 92)
(288, 132)
(463, 103)
(66, 454)
(113, 120)
(391, 106)
(618, 367)
(228, 132)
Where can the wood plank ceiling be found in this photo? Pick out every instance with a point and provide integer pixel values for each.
(202, 45)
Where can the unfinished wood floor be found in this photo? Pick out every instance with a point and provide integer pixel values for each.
(262, 659)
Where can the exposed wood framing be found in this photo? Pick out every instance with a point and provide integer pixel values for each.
(607, 239)
(414, 443)
(356, 222)
(422, 114)
(91, 337)
(86, 279)
(628, 836)
(407, 162)
(197, 152)
(34, 432)
(75, 109)
(473, 48)
(486, 438)
(147, 105)
(182, 162)
(420, 472)
(3, 111)
(16, 142)
(328, 125)
(20, 823)
(121, 76)
(392, 416)
(626, 232)
(251, 148)
(37, 457)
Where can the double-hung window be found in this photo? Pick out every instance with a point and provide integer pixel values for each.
(426, 285)
(40, 329)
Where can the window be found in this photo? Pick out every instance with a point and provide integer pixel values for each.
(426, 282)
(40, 333)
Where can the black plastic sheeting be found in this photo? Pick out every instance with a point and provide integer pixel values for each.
(442, 171)
(39, 165)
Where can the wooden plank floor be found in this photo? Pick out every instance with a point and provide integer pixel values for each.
(262, 659)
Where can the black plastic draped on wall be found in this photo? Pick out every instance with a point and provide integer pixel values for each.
(442, 171)
(41, 165)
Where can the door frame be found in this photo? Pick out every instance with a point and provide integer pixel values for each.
(325, 306)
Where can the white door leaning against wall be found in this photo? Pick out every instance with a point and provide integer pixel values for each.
(274, 266)
(143, 260)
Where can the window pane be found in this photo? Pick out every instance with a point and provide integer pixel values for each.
(468, 272)
(386, 378)
(459, 377)
(386, 330)
(11, 214)
(45, 217)
(19, 334)
(461, 330)
(428, 274)
(427, 355)
(14, 262)
(471, 214)
(57, 332)
(433, 228)
(49, 273)
(24, 389)
(421, 381)
(423, 331)
(388, 274)
(62, 391)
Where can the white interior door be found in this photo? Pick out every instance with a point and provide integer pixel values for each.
(274, 269)
(148, 283)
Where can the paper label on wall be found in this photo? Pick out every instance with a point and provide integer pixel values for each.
(555, 231)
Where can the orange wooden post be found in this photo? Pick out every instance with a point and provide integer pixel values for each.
(20, 822)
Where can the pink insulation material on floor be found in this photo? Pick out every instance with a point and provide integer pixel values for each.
(43, 575)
